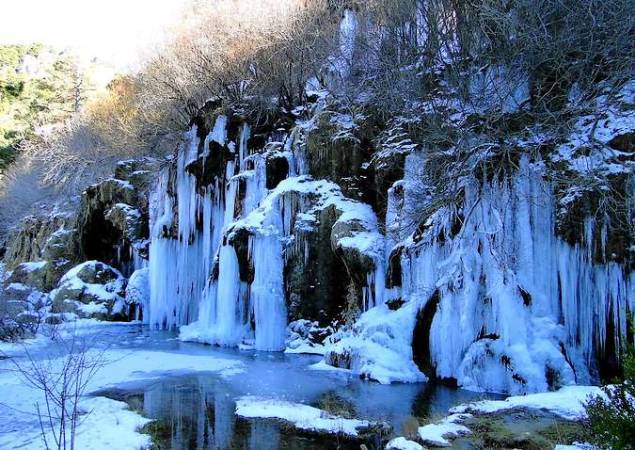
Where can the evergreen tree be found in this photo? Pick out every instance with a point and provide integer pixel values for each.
(612, 418)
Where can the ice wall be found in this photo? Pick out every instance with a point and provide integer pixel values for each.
(178, 249)
(195, 272)
(499, 302)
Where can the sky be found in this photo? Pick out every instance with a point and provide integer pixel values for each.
(117, 31)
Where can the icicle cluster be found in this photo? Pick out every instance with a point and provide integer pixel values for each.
(195, 274)
(506, 305)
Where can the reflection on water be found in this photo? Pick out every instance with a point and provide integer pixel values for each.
(197, 411)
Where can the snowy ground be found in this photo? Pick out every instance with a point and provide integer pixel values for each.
(567, 403)
(109, 424)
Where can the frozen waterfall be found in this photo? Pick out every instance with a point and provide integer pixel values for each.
(499, 303)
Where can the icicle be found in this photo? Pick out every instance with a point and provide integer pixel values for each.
(219, 133)
(267, 292)
(177, 277)
(243, 151)
(228, 317)
(348, 34)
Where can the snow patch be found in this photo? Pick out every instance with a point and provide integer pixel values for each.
(301, 416)
(438, 434)
(401, 443)
(568, 403)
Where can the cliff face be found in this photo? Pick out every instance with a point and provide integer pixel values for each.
(107, 235)
(333, 219)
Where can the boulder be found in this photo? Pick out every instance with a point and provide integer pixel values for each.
(40, 275)
(304, 336)
(32, 274)
(91, 290)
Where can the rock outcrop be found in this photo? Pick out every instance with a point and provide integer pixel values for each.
(112, 224)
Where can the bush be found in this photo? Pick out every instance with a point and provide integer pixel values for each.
(612, 418)
(256, 56)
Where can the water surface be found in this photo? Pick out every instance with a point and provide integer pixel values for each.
(197, 411)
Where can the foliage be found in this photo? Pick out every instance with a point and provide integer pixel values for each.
(37, 87)
(612, 417)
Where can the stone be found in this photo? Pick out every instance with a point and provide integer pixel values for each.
(41, 238)
(91, 290)
(32, 274)
(113, 215)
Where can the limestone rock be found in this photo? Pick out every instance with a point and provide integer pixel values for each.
(113, 214)
(32, 274)
(41, 238)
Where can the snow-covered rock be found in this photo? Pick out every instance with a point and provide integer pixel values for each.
(401, 443)
(33, 274)
(568, 403)
(301, 416)
(304, 336)
(91, 289)
(379, 347)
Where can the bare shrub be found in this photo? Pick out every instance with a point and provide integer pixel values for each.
(551, 44)
(62, 377)
(257, 55)
(502, 68)
(22, 192)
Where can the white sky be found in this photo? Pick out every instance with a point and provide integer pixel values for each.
(114, 30)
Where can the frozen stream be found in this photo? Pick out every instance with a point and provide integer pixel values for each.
(198, 411)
